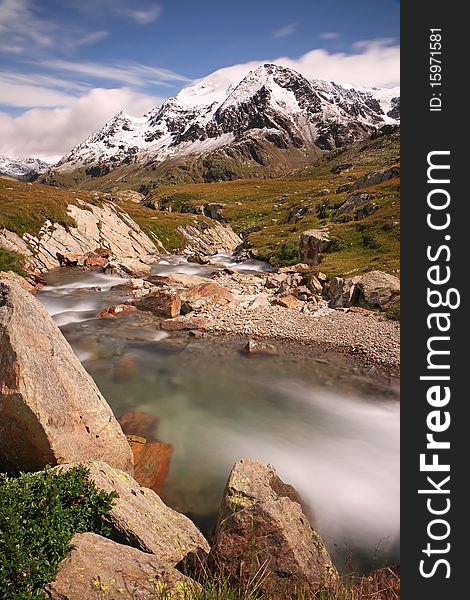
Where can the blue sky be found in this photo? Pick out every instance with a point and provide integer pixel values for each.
(62, 60)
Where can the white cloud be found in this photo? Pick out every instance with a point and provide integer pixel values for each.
(373, 63)
(21, 28)
(49, 133)
(91, 38)
(24, 30)
(143, 16)
(285, 31)
(130, 74)
(330, 35)
(33, 90)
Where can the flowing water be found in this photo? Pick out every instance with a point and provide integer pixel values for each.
(328, 429)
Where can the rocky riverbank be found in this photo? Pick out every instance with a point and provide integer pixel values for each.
(290, 305)
(51, 413)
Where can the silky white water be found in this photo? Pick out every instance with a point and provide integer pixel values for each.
(329, 431)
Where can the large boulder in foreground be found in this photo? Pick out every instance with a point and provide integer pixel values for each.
(100, 568)
(263, 537)
(374, 289)
(51, 411)
(380, 289)
(139, 518)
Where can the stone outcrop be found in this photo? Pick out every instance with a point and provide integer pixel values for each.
(341, 292)
(353, 202)
(102, 226)
(263, 536)
(374, 178)
(15, 278)
(209, 240)
(374, 289)
(139, 518)
(99, 568)
(380, 289)
(311, 245)
(162, 303)
(51, 411)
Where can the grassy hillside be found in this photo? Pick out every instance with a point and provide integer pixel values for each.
(370, 243)
(359, 245)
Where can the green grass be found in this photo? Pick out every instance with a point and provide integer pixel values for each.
(25, 207)
(11, 261)
(164, 224)
(371, 243)
(360, 246)
(39, 514)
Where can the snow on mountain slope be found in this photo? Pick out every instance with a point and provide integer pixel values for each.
(270, 101)
(21, 167)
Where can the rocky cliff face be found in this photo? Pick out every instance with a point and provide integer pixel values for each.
(273, 115)
(103, 227)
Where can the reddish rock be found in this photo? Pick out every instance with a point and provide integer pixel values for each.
(117, 310)
(289, 301)
(92, 259)
(263, 535)
(158, 280)
(211, 292)
(151, 462)
(162, 303)
(126, 367)
(139, 423)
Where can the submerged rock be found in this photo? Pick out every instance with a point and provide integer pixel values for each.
(51, 411)
(263, 537)
(255, 347)
(151, 461)
(98, 568)
(139, 423)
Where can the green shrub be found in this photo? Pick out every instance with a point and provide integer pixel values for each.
(39, 514)
(393, 312)
(11, 261)
(286, 254)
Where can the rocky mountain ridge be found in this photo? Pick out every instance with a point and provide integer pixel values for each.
(23, 168)
(273, 115)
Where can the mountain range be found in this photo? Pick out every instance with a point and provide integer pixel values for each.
(270, 121)
(21, 168)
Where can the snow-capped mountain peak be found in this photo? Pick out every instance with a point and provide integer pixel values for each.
(21, 167)
(271, 102)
